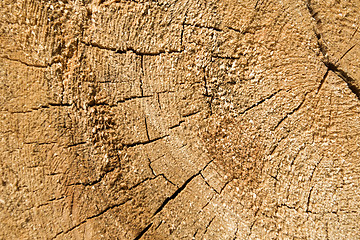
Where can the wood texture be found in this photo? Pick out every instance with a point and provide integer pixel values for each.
(179, 119)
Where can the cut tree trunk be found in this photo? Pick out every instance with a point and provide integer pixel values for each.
(178, 119)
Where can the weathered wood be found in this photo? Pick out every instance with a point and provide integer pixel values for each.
(179, 119)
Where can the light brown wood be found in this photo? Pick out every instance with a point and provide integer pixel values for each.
(179, 119)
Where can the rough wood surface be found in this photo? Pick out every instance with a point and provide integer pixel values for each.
(175, 119)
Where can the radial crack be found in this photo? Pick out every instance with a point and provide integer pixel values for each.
(261, 101)
(136, 52)
(208, 225)
(308, 200)
(24, 63)
(322, 81)
(332, 66)
(344, 76)
(143, 231)
(346, 53)
(175, 194)
(91, 217)
(291, 113)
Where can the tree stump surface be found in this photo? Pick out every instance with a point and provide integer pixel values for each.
(175, 119)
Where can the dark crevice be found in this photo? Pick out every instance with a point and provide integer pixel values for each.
(180, 189)
(40, 143)
(334, 212)
(91, 217)
(310, 9)
(59, 104)
(322, 81)
(313, 14)
(139, 53)
(205, 84)
(91, 183)
(278, 170)
(108, 208)
(142, 75)
(354, 32)
(56, 199)
(226, 57)
(277, 144)
(158, 100)
(235, 30)
(315, 167)
(45, 106)
(19, 112)
(251, 226)
(274, 177)
(177, 125)
(296, 156)
(143, 231)
(149, 179)
(207, 202)
(133, 98)
(190, 114)
(208, 184)
(327, 231)
(158, 225)
(129, 145)
(167, 200)
(256, 4)
(175, 194)
(163, 175)
(183, 29)
(217, 29)
(41, 107)
(152, 170)
(208, 225)
(199, 26)
(346, 52)
(93, 103)
(207, 94)
(54, 173)
(332, 66)
(139, 183)
(308, 200)
(207, 164)
(292, 112)
(225, 185)
(194, 235)
(48, 202)
(25, 63)
(75, 144)
(261, 101)
(343, 75)
(146, 129)
(287, 206)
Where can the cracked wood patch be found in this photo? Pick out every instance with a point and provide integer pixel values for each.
(179, 119)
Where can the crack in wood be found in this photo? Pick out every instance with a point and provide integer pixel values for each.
(206, 182)
(261, 101)
(129, 145)
(308, 200)
(136, 52)
(344, 76)
(91, 217)
(345, 53)
(351, 82)
(175, 194)
(25, 63)
(290, 113)
(208, 225)
(322, 81)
